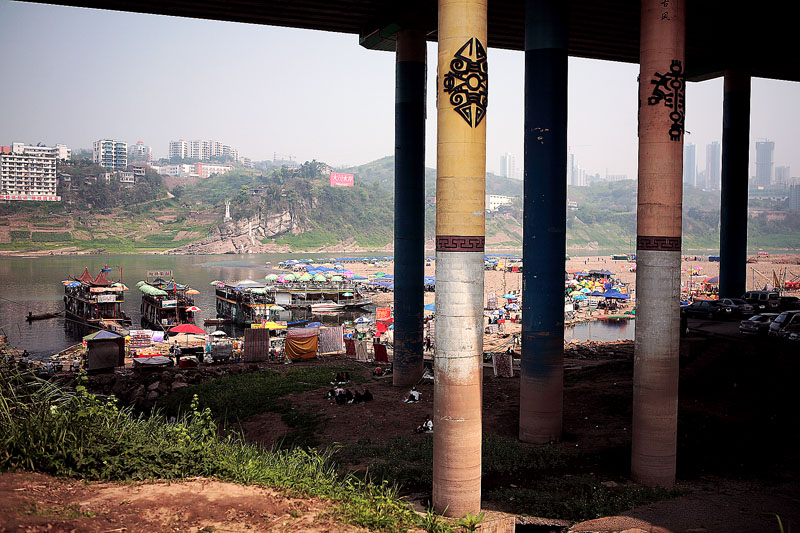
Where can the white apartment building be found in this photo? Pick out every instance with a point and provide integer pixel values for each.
(28, 177)
(59, 151)
(201, 150)
(496, 201)
(109, 153)
(140, 152)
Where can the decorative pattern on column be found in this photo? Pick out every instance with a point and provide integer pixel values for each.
(409, 213)
(661, 120)
(460, 186)
(541, 394)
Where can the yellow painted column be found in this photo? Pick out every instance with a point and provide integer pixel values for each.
(462, 91)
(658, 242)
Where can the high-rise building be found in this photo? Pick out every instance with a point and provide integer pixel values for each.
(764, 153)
(713, 166)
(794, 198)
(508, 166)
(109, 153)
(201, 150)
(140, 152)
(689, 164)
(782, 176)
(29, 172)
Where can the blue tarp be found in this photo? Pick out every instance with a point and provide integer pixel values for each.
(615, 294)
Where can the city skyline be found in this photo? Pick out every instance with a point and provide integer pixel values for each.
(268, 89)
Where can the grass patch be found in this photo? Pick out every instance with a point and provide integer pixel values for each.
(64, 512)
(234, 398)
(408, 461)
(576, 497)
(73, 433)
(19, 235)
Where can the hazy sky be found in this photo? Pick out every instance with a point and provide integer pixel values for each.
(73, 76)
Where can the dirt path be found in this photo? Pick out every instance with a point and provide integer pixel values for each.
(36, 502)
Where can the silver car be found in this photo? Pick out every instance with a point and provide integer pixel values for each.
(757, 324)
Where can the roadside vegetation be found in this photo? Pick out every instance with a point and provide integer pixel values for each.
(46, 428)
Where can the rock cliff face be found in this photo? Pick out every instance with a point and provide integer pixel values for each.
(243, 236)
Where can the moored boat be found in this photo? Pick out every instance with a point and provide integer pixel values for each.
(95, 301)
(166, 303)
(324, 307)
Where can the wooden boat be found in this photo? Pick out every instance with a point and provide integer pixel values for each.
(42, 316)
(616, 317)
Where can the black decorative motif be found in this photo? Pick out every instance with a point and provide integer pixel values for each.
(458, 243)
(662, 244)
(669, 88)
(467, 82)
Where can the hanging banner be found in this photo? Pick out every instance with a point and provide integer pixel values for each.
(106, 298)
(159, 273)
(383, 313)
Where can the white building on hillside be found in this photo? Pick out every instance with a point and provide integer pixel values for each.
(59, 151)
(109, 153)
(26, 176)
(496, 201)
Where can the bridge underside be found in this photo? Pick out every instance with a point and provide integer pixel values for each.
(719, 36)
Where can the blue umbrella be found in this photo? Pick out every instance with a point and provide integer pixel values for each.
(430, 307)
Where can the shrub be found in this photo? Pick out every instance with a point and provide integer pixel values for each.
(20, 235)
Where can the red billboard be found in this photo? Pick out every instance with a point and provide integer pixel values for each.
(341, 180)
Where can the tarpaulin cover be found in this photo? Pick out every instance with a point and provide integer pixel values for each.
(380, 353)
(299, 333)
(361, 351)
(301, 347)
(331, 340)
(502, 365)
(350, 347)
(256, 344)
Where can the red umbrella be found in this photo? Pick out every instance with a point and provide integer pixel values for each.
(193, 309)
(188, 328)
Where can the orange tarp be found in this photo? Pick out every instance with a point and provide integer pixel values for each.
(298, 348)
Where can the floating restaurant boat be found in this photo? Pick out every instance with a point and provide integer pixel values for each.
(96, 302)
(166, 303)
(246, 302)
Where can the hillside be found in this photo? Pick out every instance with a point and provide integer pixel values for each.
(286, 210)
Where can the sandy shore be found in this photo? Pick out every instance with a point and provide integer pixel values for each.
(499, 283)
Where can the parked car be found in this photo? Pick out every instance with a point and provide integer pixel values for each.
(702, 308)
(763, 301)
(757, 324)
(782, 321)
(735, 307)
(788, 303)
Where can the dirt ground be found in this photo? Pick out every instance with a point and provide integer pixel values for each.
(738, 454)
(35, 502)
(738, 427)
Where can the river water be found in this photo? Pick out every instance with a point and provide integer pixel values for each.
(34, 284)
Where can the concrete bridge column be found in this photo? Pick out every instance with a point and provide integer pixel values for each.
(658, 242)
(544, 224)
(409, 212)
(733, 200)
(460, 186)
